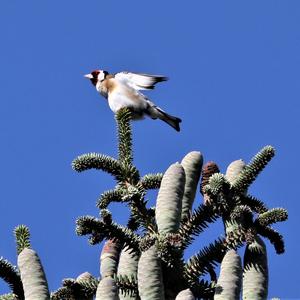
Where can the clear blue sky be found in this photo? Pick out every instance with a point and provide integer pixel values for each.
(234, 69)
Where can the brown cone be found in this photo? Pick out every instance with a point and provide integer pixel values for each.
(208, 170)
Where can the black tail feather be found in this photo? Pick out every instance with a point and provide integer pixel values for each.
(171, 120)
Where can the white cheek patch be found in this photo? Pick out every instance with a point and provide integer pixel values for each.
(101, 76)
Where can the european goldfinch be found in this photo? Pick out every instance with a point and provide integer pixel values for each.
(123, 90)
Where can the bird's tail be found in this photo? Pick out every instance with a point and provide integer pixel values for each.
(171, 120)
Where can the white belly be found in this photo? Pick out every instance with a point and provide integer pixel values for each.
(127, 98)
(118, 101)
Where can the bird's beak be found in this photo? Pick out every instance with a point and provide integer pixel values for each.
(89, 76)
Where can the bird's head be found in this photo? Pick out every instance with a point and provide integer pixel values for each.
(96, 76)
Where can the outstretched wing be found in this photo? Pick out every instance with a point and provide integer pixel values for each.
(139, 81)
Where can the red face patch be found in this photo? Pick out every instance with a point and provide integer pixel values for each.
(95, 74)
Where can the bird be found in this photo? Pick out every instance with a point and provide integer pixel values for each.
(122, 89)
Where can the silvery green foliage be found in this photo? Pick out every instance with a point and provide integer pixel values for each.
(32, 275)
(192, 165)
(169, 199)
(230, 279)
(128, 265)
(150, 281)
(255, 277)
(160, 272)
(107, 289)
(252, 169)
(185, 295)
(9, 297)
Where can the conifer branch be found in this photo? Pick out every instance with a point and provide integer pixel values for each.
(133, 222)
(11, 276)
(81, 289)
(272, 216)
(236, 237)
(138, 206)
(106, 216)
(98, 230)
(251, 171)
(97, 161)
(203, 289)
(129, 174)
(193, 225)
(135, 198)
(273, 236)
(63, 293)
(76, 289)
(204, 261)
(168, 248)
(242, 214)
(107, 197)
(147, 241)
(255, 204)
(217, 184)
(164, 243)
(88, 287)
(127, 285)
(9, 297)
(142, 215)
(151, 181)
(123, 118)
(218, 194)
(22, 236)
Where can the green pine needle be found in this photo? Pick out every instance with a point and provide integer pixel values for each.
(62, 293)
(88, 287)
(22, 236)
(76, 289)
(123, 118)
(272, 216)
(135, 196)
(129, 174)
(196, 223)
(127, 285)
(256, 205)
(11, 276)
(88, 225)
(107, 197)
(151, 181)
(98, 231)
(9, 297)
(217, 182)
(97, 161)
(236, 235)
(203, 289)
(251, 171)
(242, 214)
(133, 223)
(106, 216)
(273, 236)
(204, 261)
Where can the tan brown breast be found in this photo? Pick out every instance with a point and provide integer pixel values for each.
(108, 84)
